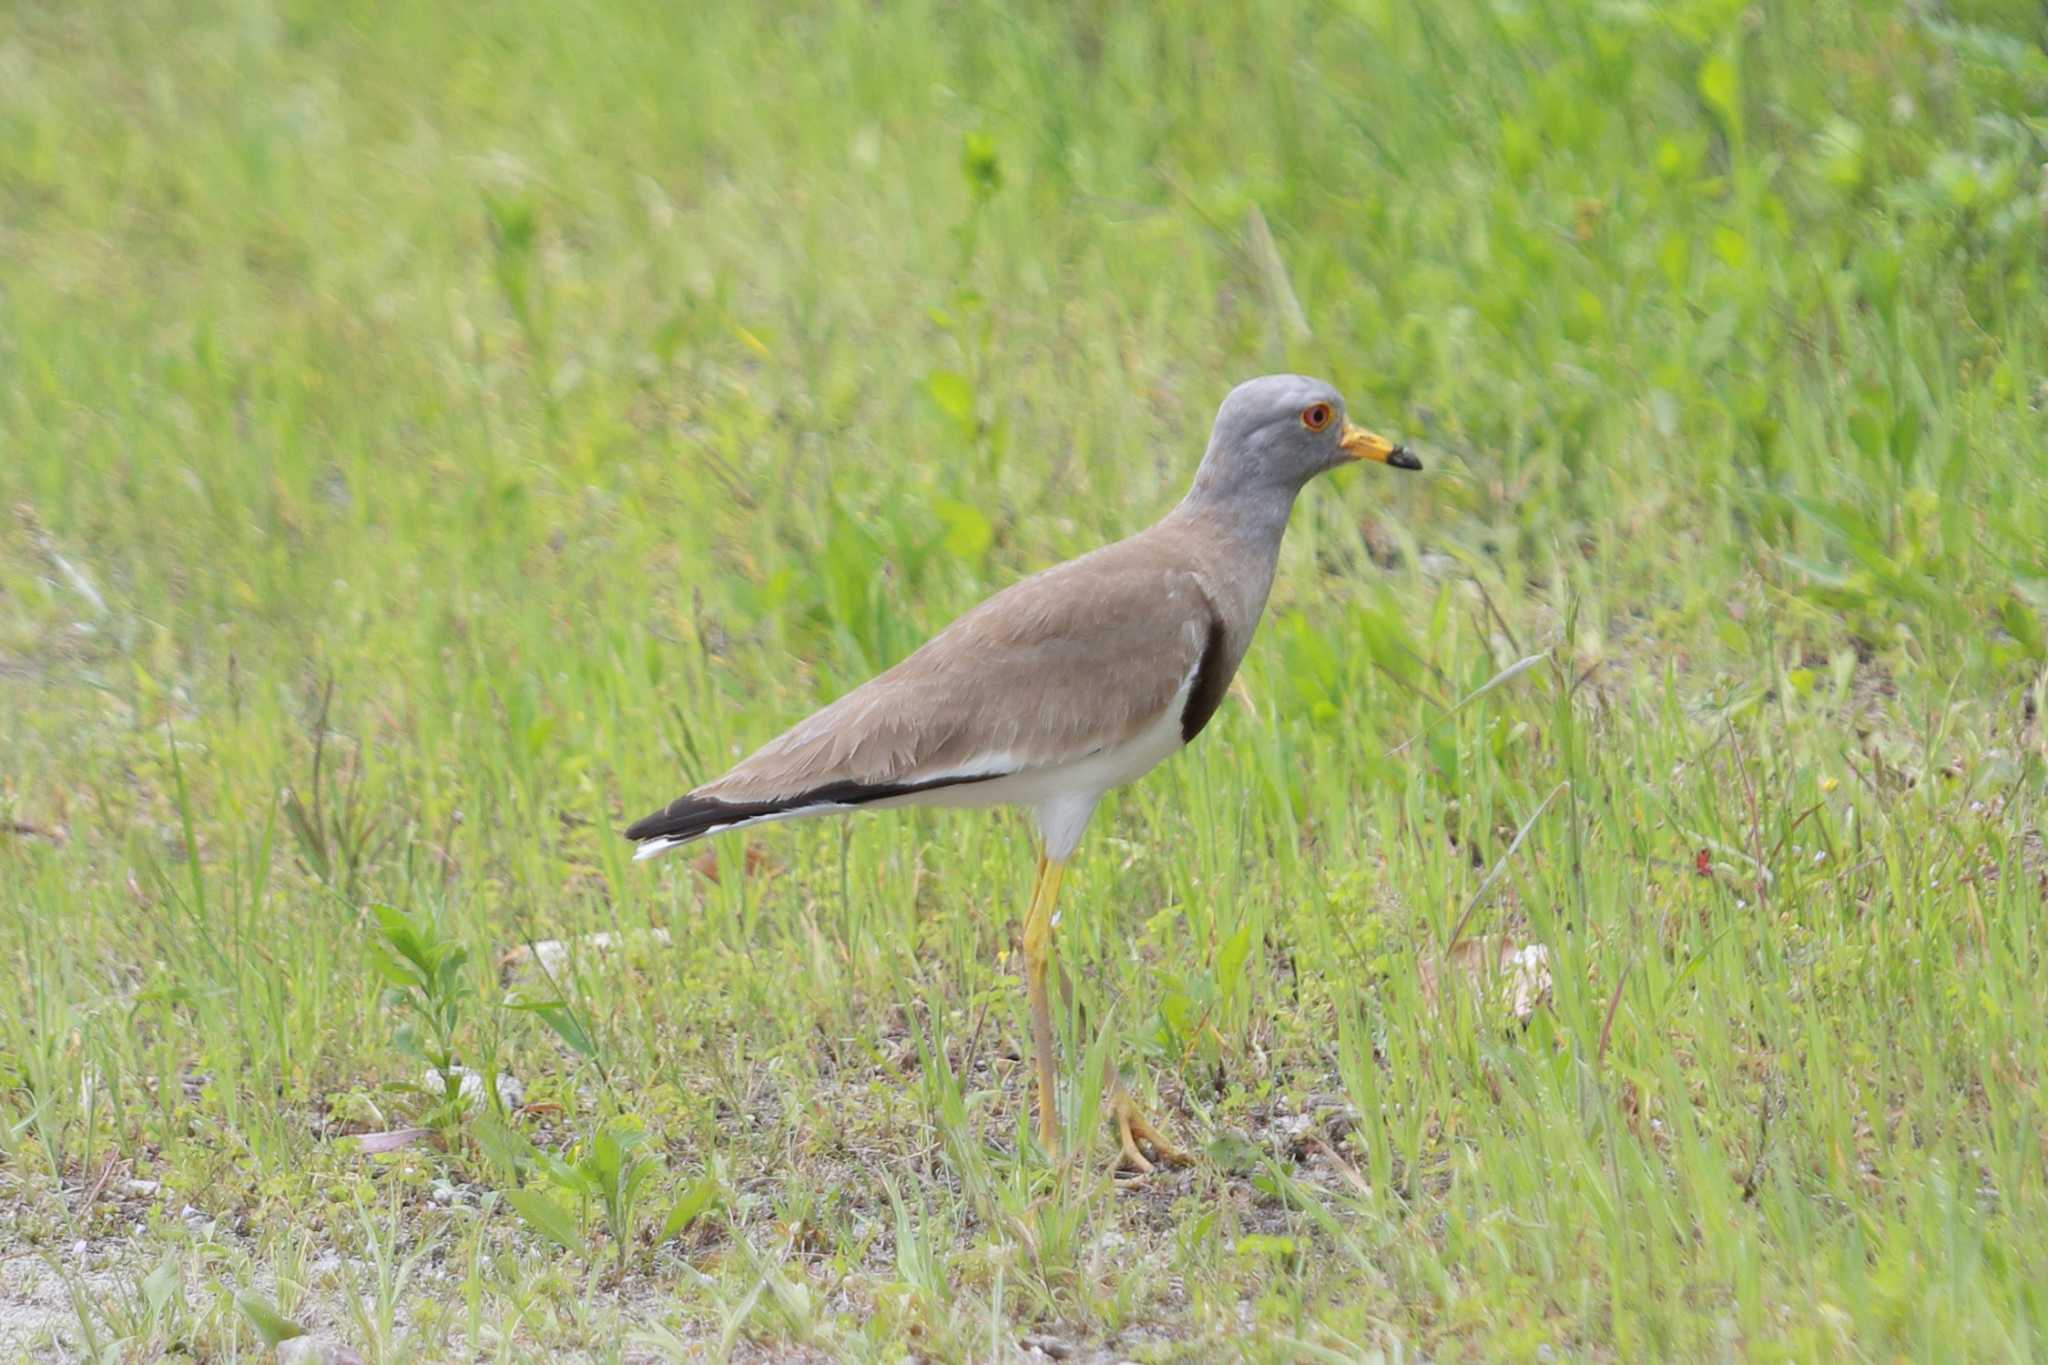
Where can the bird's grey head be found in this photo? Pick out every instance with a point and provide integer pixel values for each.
(1274, 434)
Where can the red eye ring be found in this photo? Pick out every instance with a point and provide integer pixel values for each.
(1316, 416)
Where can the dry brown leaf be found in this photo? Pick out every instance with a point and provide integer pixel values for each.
(370, 1143)
(755, 863)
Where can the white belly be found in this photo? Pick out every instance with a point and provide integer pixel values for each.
(1064, 795)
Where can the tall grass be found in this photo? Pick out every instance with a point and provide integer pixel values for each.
(435, 435)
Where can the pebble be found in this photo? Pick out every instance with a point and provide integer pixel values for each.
(315, 1351)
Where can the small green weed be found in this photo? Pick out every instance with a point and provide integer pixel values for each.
(615, 1169)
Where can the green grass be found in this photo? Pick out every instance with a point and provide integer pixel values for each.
(432, 436)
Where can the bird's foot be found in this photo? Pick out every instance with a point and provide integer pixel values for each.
(1137, 1137)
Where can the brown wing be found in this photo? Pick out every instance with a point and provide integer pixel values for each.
(1076, 659)
(1079, 658)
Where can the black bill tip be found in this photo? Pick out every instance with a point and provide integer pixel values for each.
(1401, 457)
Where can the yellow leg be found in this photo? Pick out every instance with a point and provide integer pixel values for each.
(1037, 957)
(1134, 1135)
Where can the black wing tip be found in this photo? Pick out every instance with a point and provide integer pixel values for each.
(686, 817)
(693, 817)
(689, 817)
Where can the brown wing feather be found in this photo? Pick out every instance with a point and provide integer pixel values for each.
(1078, 658)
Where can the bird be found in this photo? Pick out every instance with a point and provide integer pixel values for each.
(1075, 680)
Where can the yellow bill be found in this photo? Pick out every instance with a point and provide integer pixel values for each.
(1361, 444)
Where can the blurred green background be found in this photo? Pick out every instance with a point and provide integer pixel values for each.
(432, 436)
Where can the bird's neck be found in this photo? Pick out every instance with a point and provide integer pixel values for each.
(1252, 518)
(1243, 530)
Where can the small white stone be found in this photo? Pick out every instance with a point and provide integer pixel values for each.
(315, 1351)
(470, 1085)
